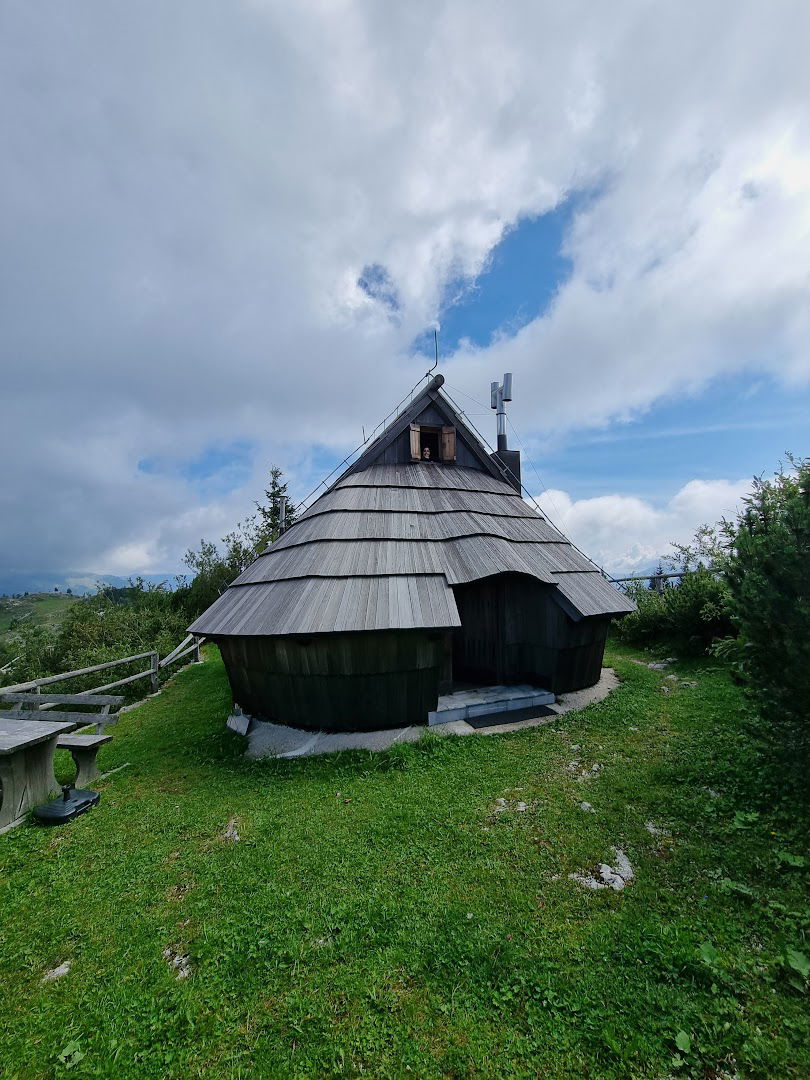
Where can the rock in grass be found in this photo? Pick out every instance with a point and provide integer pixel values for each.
(57, 972)
(610, 877)
(179, 962)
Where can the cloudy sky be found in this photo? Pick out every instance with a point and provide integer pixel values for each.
(226, 229)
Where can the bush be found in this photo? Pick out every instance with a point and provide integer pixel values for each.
(767, 570)
(685, 617)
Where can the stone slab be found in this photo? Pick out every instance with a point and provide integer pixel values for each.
(487, 701)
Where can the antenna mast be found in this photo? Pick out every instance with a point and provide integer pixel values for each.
(499, 396)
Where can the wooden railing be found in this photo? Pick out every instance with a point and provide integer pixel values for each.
(191, 643)
(656, 580)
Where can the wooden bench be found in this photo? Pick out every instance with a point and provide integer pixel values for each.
(83, 748)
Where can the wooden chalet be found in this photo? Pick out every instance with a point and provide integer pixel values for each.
(406, 577)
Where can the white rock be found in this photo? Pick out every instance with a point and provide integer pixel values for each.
(610, 877)
(57, 972)
(623, 867)
(588, 881)
(180, 963)
(586, 806)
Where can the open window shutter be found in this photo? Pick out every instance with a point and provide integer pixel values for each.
(448, 444)
(416, 449)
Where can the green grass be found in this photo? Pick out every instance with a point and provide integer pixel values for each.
(36, 609)
(378, 918)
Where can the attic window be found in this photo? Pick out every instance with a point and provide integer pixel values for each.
(433, 443)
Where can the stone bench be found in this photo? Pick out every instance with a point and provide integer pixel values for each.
(84, 750)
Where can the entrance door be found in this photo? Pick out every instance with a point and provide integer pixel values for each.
(478, 647)
(509, 631)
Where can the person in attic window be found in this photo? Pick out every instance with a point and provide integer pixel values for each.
(426, 454)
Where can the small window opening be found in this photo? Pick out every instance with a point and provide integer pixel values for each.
(429, 444)
(433, 443)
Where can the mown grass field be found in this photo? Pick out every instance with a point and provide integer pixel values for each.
(36, 608)
(378, 917)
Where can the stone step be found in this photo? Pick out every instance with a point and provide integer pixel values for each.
(486, 701)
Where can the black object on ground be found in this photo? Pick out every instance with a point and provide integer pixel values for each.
(72, 803)
(513, 716)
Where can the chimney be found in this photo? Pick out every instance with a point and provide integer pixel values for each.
(508, 460)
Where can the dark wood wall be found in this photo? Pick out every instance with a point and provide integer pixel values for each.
(336, 682)
(512, 630)
(399, 452)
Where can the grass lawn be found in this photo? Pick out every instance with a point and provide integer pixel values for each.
(378, 917)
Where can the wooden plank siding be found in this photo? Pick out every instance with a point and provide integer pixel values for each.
(513, 632)
(344, 682)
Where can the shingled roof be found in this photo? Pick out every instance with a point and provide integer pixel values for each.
(382, 548)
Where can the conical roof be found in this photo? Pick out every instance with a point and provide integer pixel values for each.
(384, 546)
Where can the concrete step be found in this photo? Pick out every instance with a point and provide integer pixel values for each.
(486, 701)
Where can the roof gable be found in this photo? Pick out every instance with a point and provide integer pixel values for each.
(429, 407)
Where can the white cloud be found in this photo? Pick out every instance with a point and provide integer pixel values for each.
(625, 534)
(189, 194)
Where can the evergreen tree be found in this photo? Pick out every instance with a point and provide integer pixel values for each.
(269, 513)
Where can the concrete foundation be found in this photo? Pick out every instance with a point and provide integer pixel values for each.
(277, 741)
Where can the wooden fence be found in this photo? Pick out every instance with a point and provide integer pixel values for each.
(656, 580)
(191, 643)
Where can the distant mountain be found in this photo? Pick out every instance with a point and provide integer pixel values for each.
(80, 583)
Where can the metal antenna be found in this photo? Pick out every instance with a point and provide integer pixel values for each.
(436, 347)
(498, 396)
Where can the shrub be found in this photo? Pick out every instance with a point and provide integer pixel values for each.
(685, 617)
(767, 570)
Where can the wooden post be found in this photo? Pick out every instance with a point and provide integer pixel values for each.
(153, 674)
(197, 655)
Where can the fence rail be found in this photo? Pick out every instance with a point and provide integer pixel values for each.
(656, 580)
(189, 644)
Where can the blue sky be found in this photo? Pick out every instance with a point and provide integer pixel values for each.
(738, 426)
(520, 279)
